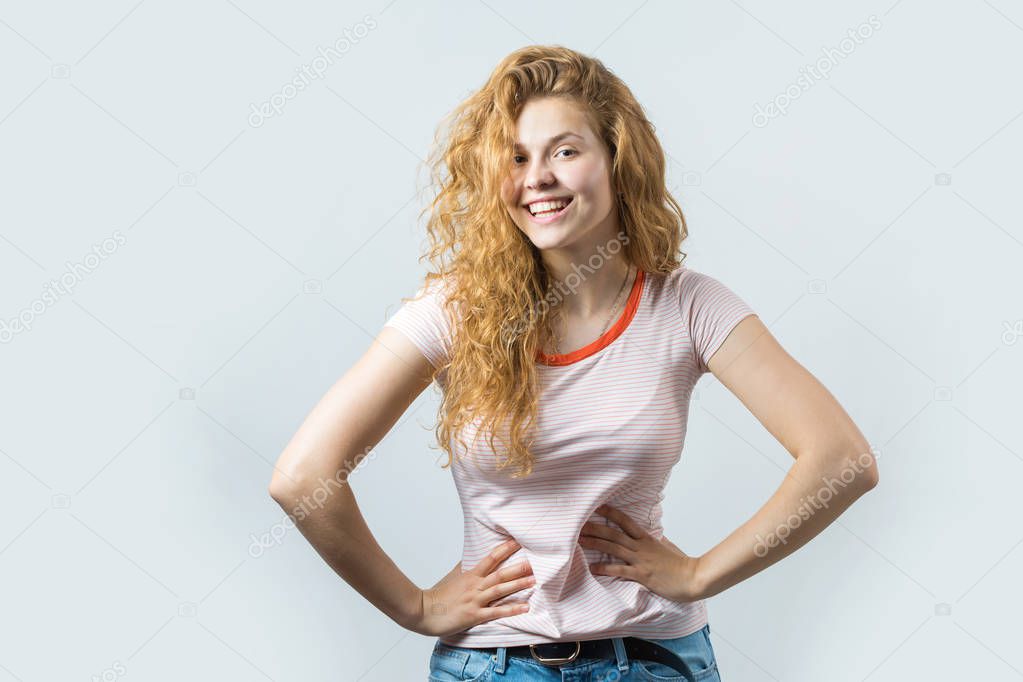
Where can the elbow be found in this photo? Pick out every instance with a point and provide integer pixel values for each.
(871, 476)
(867, 462)
(862, 468)
(868, 479)
(854, 474)
(284, 487)
(279, 492)
(291, 478)
(875, 474)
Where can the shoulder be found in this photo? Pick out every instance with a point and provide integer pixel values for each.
(678, 288)
(685, 284)
(684, 277)
(431, 295)
(699, 288)
(425, 320)
(709, 310)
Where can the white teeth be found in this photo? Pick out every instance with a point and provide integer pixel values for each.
(545, 206)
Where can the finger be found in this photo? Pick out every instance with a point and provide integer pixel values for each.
(503, 611)
(622, 519)
(612, 548)
(506, 573)
(504, 589)
(618, 570)
(609, 533)
(495, 557)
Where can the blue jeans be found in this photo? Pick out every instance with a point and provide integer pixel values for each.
(451, 663)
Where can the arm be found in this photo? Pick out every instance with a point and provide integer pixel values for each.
(310, 479)
(310, 482)
(833, 467)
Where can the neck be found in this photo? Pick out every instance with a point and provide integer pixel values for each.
(587, 290)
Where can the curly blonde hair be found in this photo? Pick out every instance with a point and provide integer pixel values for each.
(495, 276)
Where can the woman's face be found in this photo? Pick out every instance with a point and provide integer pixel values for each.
(559, 157)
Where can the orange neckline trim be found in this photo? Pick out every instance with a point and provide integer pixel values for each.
(631, 306)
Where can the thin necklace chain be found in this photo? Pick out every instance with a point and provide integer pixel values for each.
(614, 309)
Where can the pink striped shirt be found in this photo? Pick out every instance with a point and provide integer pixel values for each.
(611, 426)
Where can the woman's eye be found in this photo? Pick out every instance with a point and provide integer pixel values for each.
(518, 158)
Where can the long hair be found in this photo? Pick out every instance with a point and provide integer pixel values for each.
(493, 274)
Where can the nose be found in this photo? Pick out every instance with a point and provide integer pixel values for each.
(539, 174)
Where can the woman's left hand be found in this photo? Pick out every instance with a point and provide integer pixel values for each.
(658, 565)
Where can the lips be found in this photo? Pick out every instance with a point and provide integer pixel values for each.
(549, 218)
(567, 200)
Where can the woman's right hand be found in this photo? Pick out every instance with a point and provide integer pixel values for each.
(462, 599)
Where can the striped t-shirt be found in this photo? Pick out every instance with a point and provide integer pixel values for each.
(610, 428)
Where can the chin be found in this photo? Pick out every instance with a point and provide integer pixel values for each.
(552, 239)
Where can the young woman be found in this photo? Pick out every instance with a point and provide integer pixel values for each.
(567, 337)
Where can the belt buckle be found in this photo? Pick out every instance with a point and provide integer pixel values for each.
(555, 661)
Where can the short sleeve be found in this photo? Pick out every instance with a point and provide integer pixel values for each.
(423, 320)
(710, 310)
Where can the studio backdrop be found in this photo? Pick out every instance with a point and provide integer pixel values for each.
(209, 209)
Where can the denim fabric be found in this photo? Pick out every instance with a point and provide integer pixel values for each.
(460, 664)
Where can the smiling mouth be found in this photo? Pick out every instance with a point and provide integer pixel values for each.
(548, 209)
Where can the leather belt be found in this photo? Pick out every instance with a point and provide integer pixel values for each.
(558, 653)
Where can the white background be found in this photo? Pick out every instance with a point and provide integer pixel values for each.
(876, 228)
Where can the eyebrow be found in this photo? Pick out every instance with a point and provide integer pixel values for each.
(556, 138)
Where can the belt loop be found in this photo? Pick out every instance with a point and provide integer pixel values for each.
(502, 657)
(620, 656)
